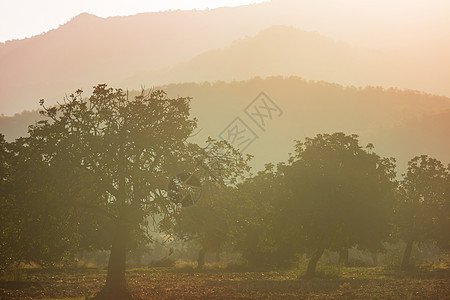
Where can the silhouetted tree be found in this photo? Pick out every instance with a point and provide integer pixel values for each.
(121, 151)
(342, 194)
(424, 204)
(208, 223)
(262, 231)
(39, 224)
(6, 252)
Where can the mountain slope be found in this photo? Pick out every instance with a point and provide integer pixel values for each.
(281, 50)
(89, 50)
(401, 124)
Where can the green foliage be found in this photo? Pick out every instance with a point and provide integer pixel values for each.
(423, 207)
(95, 174)
(342, 194)
(336, 195)
(92, 166)
(258, 230)
(210, 221)
(38, 224)
(424, 202)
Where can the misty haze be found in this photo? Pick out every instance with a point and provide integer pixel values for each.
(278, 149)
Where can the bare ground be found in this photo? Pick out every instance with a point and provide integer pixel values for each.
(172, 283)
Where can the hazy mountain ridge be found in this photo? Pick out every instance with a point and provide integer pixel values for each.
(286, 50)
(88, 49)
(281, 50)
(388, 118)
(399, 123)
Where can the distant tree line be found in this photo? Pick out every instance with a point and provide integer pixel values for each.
(93, 175)
(332, 194)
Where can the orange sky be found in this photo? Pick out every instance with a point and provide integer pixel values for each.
(25, 18)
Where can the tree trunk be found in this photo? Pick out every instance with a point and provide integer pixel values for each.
(311, 270)
(217, 256)
(343, 257)
(116, 286)
(201, 258)
(407, 254)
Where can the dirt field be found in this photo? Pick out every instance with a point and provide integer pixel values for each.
(172, 283)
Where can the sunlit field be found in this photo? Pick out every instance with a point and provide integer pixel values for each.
(183, 282)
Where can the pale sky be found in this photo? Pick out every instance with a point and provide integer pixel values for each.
(25, 18)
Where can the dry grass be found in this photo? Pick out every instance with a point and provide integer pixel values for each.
(184, 282)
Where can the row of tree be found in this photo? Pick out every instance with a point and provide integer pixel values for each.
(331, 194)
(94, 175)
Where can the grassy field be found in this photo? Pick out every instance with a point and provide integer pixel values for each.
(432, 282)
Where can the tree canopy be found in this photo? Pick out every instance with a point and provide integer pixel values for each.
(423, 207)
(97, 173)
(342, 194)
(109, 155)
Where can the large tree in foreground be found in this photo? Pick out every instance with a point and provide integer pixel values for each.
(342, 194)
(127, 149)
(423, 209)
